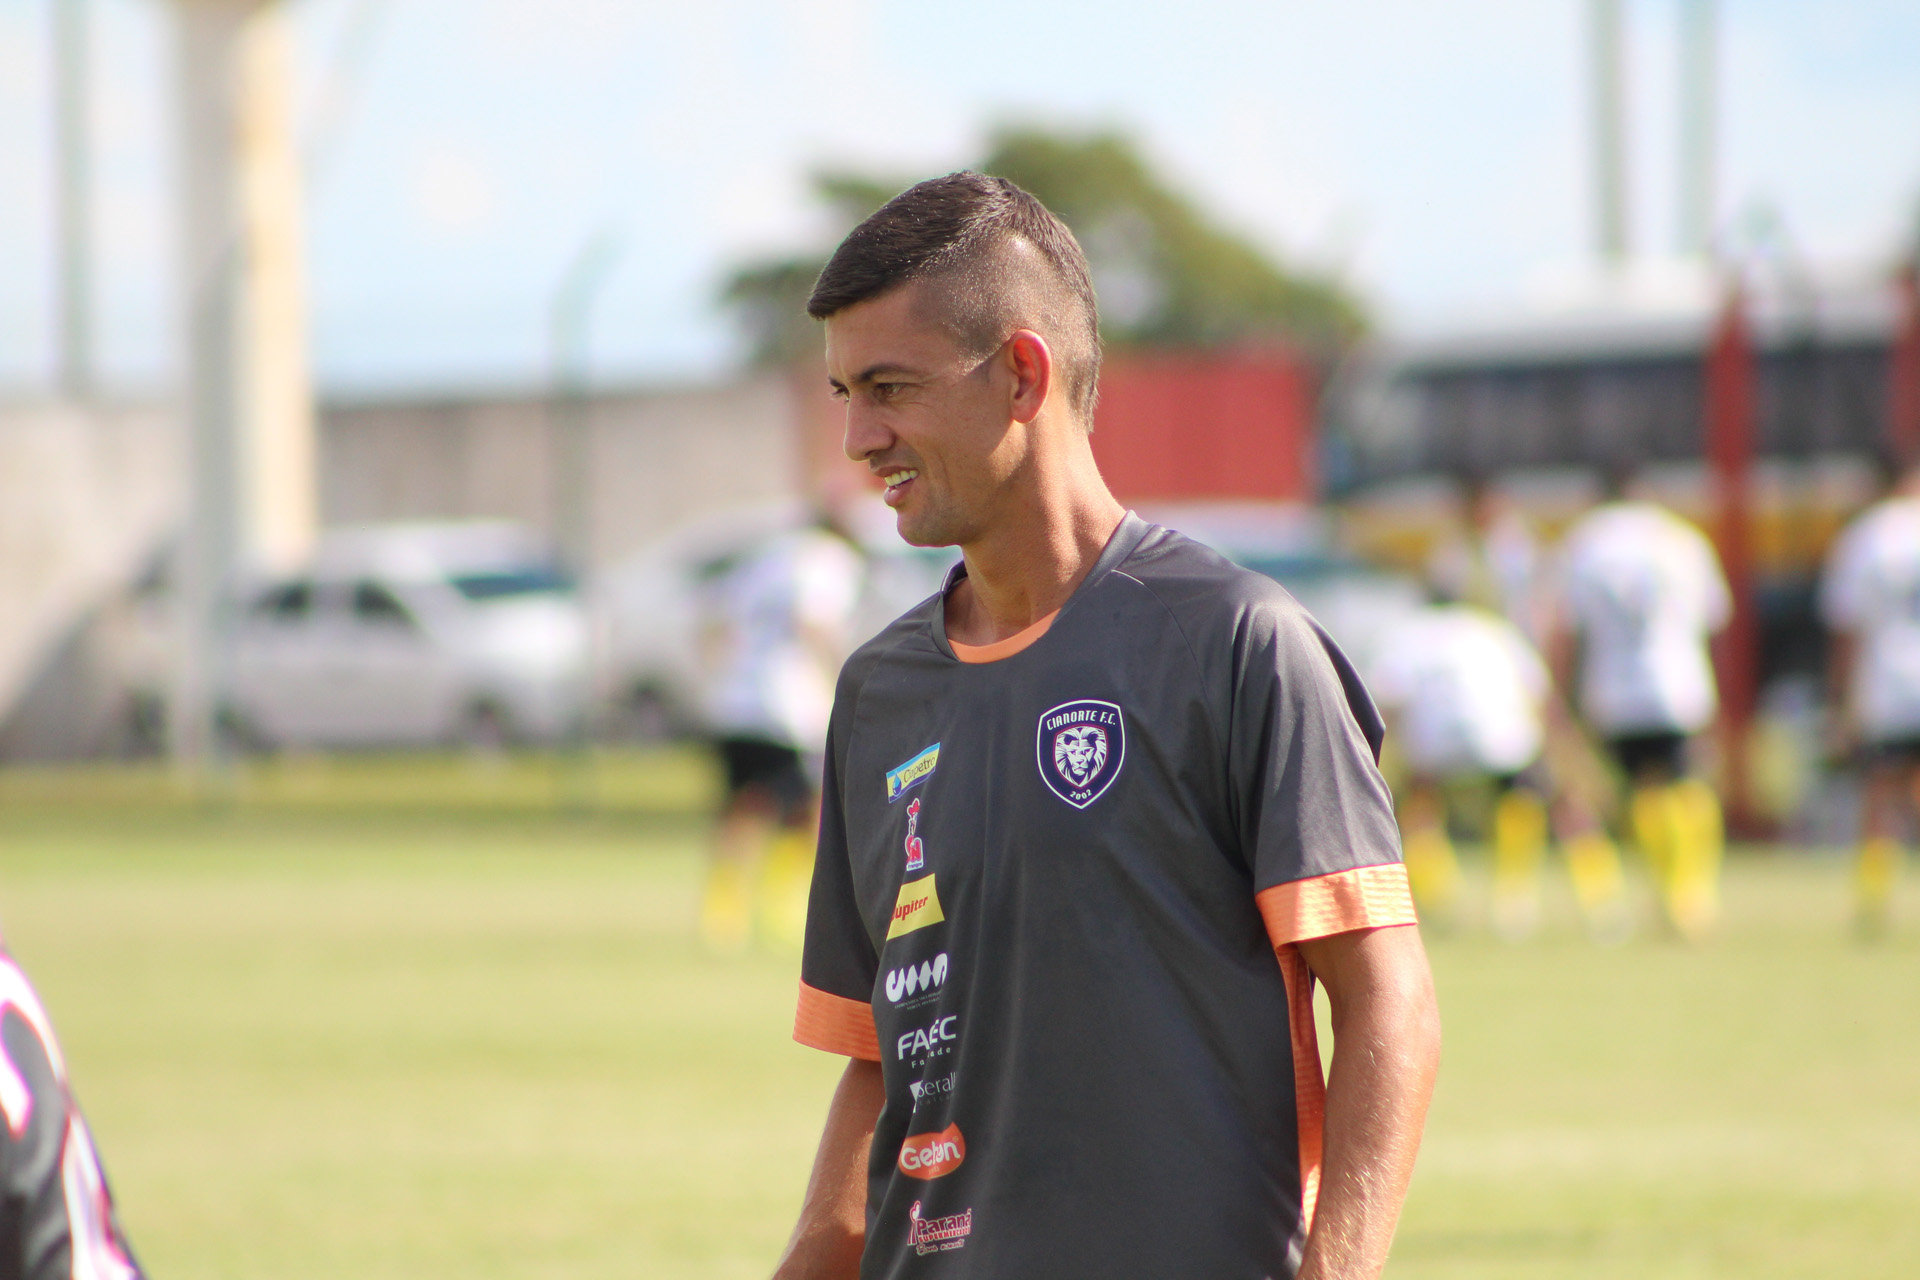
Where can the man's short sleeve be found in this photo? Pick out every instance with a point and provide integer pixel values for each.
(1314, 813)
(838, 965)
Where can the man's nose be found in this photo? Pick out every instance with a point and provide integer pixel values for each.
(866, 435)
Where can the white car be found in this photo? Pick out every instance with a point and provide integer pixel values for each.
(411, 635)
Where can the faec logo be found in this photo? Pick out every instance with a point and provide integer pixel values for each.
(928, 1155)
(927, 1040)
(913, 979)
(917, 907)
(1080, 747)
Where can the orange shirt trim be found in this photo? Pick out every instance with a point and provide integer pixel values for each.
(1309, 1086)
(1340, 902)
(1002, 648)
(1363, 898)
(835, 1024)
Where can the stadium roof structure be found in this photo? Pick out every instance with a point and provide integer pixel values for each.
(1607, 369)
(1656, 309)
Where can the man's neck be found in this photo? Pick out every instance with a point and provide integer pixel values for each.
(1028, 564)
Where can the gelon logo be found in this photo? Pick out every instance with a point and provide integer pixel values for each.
(914, 979)
(1080, 747)
(928, 1155)
(912, 773)
(917, 907)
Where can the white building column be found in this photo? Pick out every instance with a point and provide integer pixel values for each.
(251, 492)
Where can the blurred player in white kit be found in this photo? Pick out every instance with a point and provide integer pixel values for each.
(1870, 597)
(1470, 698)
(1497, 564)
(1465, 694)
(776, 633)
(1642, 595)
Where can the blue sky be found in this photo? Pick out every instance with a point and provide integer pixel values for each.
(1431, 153)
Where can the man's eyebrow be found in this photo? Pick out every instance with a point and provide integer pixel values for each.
(872, 372)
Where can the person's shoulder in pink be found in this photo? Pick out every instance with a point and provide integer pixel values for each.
(57, 1218)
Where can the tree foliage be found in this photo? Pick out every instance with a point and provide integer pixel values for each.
(1166, 274)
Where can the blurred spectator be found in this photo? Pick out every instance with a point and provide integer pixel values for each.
(1471, 699)
(1465, 693)
(1870, 597)
(1643, 593)
(56, 1218)
(1495, 562)
(775, 630)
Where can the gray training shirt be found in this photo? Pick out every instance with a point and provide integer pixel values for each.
(1058, 887)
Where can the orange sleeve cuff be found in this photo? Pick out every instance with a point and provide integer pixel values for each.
(1340, 902)
(835, 1024)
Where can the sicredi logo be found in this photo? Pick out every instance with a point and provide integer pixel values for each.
(929, 1155)
(914, 979)
(912, 773)
(917, 907)
(927, 1041)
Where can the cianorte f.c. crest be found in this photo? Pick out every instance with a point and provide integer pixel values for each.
(1080, 748)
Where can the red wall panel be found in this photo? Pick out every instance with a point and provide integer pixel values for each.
(1205, 425)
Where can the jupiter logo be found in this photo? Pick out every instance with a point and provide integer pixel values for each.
(917, 907)
(928, 1155)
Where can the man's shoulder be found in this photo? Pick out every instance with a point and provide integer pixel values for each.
(1202, 587)
(911, 630)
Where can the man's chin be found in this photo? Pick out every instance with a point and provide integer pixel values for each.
(916, 530)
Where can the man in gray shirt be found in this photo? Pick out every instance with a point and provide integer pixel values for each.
(1096, 817)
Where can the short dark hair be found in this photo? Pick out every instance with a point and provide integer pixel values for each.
(984, 232)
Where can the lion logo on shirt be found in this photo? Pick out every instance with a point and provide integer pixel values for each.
(1080, 752)
(1081, 747)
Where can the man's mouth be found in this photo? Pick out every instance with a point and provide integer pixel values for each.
(896, 482)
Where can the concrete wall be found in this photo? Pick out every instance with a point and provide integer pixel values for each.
(90, 496)
(657, 459)
(87, 496)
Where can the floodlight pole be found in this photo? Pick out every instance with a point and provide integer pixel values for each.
(1699, 90)
(1731, 428)
(571, 426)
(1607, 52)
(250, 495)
(73, 190)
(1903, 369)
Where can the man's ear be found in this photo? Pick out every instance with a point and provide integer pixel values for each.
(1031, 362)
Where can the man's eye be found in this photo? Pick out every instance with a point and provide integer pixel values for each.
(885, 390)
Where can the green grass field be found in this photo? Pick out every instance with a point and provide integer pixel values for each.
(383, 1020)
